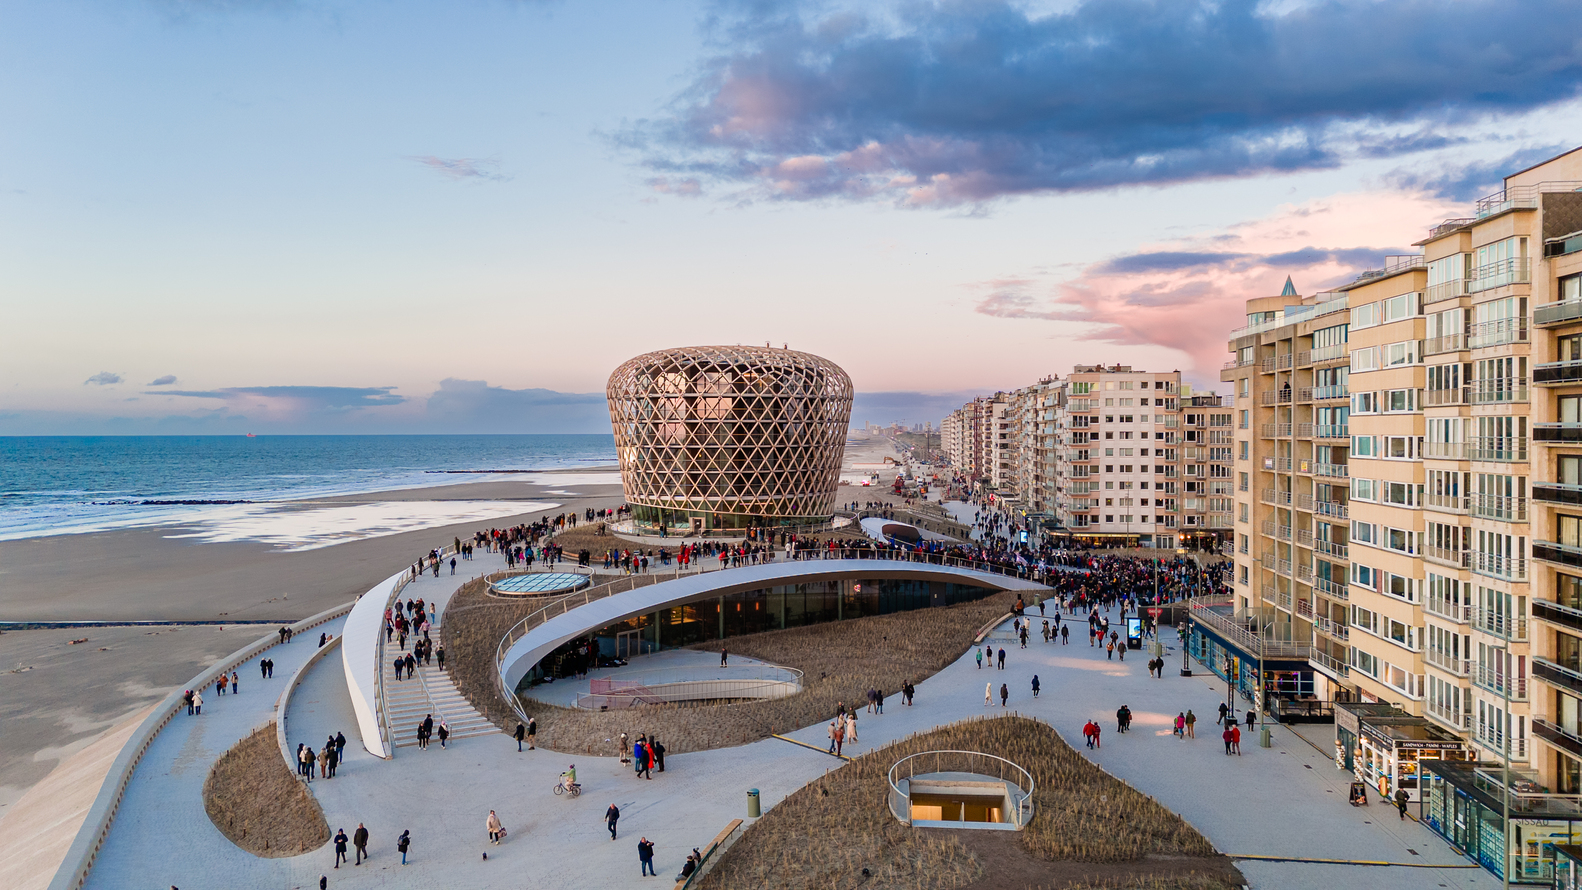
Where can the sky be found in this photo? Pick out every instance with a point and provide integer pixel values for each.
(220, 216)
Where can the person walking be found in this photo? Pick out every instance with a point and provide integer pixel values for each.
(521, 733)
(532, 731)
(1400, 801)
(197, 702)
(980, 659)
(725, 657)
(1235, 739)
(1035, 686)
(495, 828)
(1225, 736)
(340, 747)
(1002, 658)
(1180, 725)
(324, 762)
(1191, 724)
(360, 842)
(1005, 694)
(612, 816)
(988, 694)
(640, 755)
(645, 855)
(444, 732)
(1222, 709)
(1065, 635)
(403, 843)
(878, 701)
(236, 681)
(340, 847)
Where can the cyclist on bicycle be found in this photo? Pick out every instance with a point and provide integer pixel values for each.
(569, 778)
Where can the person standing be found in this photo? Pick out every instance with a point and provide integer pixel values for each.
(725, 657)
(236, 681)
(645, 855)
(1035, 686)
(1002, 658)
(360, 841)
(340, 746)
(980, 659)
(1005, 694)
(833, 731)
(1191, 724)
(521, 733)
(1225, 736)
(1235, 739)
(532, 730)
(612, 816)
(659, 752)
(402, 843)
(340, 847)
(1180, 725)
(197, 702)
(495, 828)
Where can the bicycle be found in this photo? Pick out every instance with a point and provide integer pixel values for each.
(574, 788)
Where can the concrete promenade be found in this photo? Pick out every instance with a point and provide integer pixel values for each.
(1288, 800)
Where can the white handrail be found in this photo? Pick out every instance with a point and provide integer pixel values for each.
(1024, 808)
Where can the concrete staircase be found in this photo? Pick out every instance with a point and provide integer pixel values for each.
(430, 691)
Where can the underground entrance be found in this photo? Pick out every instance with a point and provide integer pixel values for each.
(960, 789)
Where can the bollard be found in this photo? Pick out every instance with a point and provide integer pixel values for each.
(1263, 738)
(753, 810)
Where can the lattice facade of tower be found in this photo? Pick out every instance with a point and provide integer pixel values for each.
(729, 437)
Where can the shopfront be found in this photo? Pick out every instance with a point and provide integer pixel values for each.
(1385, 747)
(1466, 804)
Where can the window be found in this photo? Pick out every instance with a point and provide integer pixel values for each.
(1396, 400)
(1243, 452)
(1401, 587)
(1403, 353)
(1400, 540)
(1399, 447)
(1364, 662)
(1402, 494)
(1365, 316)
(1568, 470)
(1364, 403)
(1397, 308)
(1364, 533)
(1242, 481)
(1365, 576)
(1362, 490)
(1246, 389)
(1364, 446)
(1242, 517)
(1366, 359)
(1245, 413)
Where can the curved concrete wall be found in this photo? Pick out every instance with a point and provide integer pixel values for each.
(360, 654)
(542, 640)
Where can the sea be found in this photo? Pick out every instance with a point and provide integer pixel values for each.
(52, 485)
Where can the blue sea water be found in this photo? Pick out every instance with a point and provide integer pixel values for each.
(56, 484)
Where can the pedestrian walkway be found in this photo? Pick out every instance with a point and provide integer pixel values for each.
(1288, 800)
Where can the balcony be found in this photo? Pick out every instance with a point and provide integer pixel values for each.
(1304, 608)
(1557, 313)
(1557, 493)
(1265, 365)
(1456, 559)
(1558, 613)
(1304, 537)
(1283, 360)
(1304, 358)
(1461, 667)
(1330, 665)
(1304, 573)
(1557, 432)
(1557, 674)
(1330, 508)
(1445, 450)
(1458, 721)
(1460, 613)
(1448, 343)
(1438, 398)
(1558, 736)
(1498, 333)
(1499, 274)
(1446, 503)
(1331, 589)
(1511, 568)
(1335, 391)
(1274, 430)
(1499, 624)
(1332, 629)
(1500, 684)
(1557, 553)
(1330, 548)
(1280, 397)
(1335, 470)
(1331, 431)
(1448, 290)
(1499, 507)
(1273, 496)
(1500, 391)
(1557, 373)
(1497, 448)
(1448, 226)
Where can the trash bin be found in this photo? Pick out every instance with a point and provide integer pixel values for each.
(1263, 738)
(753, 810)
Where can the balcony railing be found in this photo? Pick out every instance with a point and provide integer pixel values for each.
(1557, 432)
(1500, 507)
(1558, 736)
(1557, 674)
(1333, 391)
(1304, 537)
(1557, 373)
(1557, 493)
(1459, 559)
(1500, 683)
(1329, 664)
(1304, 358)
(1558, 553)
(1461, 667)
(1331, 431)
(1450, 225)
(1336, 470)
(1460, 613)
(1330, 508)
(1511, 568)
(1330, 588)
(1435, 398)
(1499, 274)
(1557, 313)
(1274, 430)
(1448, 290)
(1511, 391)
(1304, 573)
(1460, 721)
(1445, 450)
(1334, 629)
(1330, 353)
(1304, 608)
(1339, 551)
(1510, 627)
(1497, 448)
(1279, 397)
(1274, 496)
(1446, 503)
(1447, 343)
(1498, 333)
(1282, 566)
(1558, 613)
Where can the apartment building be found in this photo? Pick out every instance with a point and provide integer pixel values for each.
(1409, 514)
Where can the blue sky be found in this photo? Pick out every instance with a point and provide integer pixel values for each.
(399, 216)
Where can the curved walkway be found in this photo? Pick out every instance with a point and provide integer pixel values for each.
(541, 640)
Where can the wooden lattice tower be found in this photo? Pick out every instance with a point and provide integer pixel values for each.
(735, 436)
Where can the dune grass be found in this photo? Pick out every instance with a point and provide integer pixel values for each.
(256, 802)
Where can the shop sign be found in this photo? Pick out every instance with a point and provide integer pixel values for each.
(1346, 720)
